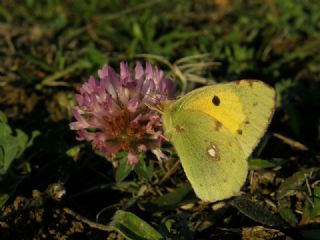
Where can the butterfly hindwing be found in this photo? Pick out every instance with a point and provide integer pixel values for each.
(210, 155)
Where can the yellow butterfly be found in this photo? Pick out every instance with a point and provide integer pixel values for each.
(214, 129)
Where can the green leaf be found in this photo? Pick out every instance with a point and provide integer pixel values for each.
(5, 131)
(257, 212)
(34, 134)
(40, 63)
(22, 141)
(259, 163)
(132, 227)
(130, 187)
(288, 215)
(312, 209)
(316, 193)
(22, 138)
(95, 56)
(137, 31)
(144, 171)
(316, 202)
(3, 199)
(1, 157)
(123, 170)
(74, 151)
(3, 117)
(171, 200)
(168, 223)
(294, 183)
(307, 211)
(10, 149)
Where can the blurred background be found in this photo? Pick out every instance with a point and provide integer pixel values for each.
(50, 184)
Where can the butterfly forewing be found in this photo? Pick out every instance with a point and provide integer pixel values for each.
(244, 107)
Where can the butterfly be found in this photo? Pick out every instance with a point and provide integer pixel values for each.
(214, 129)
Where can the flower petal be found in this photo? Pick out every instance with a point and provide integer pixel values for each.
(112, 111)
(132, 159)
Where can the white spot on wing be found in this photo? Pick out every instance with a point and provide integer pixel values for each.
(212, 151)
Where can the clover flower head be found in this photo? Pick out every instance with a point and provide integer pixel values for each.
(113, 112)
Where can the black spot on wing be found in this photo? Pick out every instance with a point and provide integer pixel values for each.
(216, 101)
(239, 131)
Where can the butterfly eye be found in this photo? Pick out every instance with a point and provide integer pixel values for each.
(216, 101)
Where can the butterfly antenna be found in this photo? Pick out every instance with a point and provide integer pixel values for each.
(154, 108)
(165, 138)
(157, 107)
